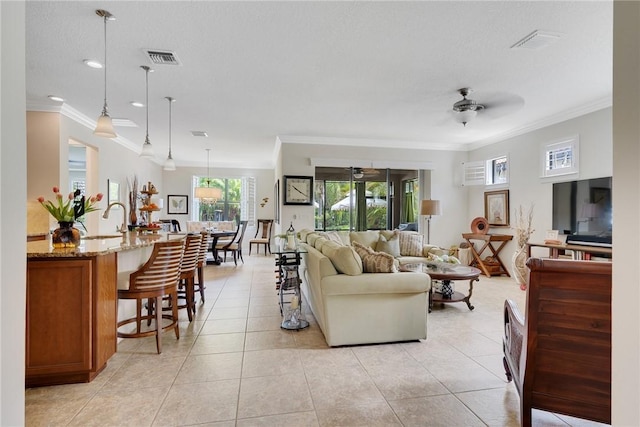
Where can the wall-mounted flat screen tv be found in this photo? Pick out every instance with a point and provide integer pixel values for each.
(582, 209)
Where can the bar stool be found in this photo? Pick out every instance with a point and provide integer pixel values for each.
(157, 278)
(188, 272)
(207, 239)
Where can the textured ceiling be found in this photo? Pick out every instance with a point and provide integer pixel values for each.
(358, 73)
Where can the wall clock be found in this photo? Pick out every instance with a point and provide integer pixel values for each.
(298, 190)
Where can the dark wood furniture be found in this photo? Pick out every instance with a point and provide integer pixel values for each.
(563, 344)
(205, 243)
(447, 273)
(188, 268)
(488, 240)
(264, 230)
(580, 252)
(215, 237)
(235, 245)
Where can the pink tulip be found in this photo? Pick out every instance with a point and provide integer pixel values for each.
(41, 199)
(92, 200)
(59, 196)
(56, 190)
(99, 196)
(71, 196)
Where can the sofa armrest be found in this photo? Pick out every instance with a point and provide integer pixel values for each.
(433, 249)
(512, 342)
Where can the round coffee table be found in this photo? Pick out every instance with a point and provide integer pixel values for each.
(447, 273)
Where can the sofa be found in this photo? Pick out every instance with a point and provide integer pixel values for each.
(354, 305)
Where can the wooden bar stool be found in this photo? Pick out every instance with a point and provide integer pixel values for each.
(206, 242)
(188, 272)
(157, 278)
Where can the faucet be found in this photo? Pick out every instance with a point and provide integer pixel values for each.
(123, 228)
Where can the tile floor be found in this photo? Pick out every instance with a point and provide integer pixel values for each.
(234, 366)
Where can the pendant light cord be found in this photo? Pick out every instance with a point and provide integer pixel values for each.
(147, 85)
(170, 102)
(105, 66)
(208, 179)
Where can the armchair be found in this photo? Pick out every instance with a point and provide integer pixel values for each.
(559, 355)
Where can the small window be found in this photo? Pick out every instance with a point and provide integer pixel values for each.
(474, 173)
(561, 157)
(497, 171)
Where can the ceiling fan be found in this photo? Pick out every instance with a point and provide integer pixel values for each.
(495, 105)
(359, 173)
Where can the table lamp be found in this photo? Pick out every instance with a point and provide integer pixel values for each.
(429, 208)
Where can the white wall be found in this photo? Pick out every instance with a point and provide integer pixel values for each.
(13, 202)
(525, 186)
(441, 185)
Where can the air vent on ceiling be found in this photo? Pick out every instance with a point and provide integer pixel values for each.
(537, 40)
(124, 123)
(199, 133)
(162, 57)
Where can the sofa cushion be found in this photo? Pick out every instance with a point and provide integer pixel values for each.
(319, 243)
(375, 262)
(334, 236)
(389, 245)
(410, 243)
(304, 233)
(366, 238)
(311, 238)
(344, 258)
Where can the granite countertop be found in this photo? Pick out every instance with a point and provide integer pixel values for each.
(97, 245)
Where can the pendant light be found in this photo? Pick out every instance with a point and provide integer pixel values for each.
(147, 148)
(208, 194)
(104, 127)
(169, 164)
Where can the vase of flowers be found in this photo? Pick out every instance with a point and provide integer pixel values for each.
(523, 233)
(66, 212)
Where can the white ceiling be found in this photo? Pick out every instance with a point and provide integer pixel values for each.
(359, 73)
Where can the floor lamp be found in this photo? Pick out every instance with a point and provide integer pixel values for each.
(428, 209)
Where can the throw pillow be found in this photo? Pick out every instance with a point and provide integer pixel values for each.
(344, 258)
(410, 243)
(367, 238)
(375, 262)
(389, 245)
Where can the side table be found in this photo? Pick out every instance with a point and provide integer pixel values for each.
(501, 240)
(288, 283)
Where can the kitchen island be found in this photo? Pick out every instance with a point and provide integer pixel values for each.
(72, 305)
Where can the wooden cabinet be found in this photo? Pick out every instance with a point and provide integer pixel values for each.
(70, 318)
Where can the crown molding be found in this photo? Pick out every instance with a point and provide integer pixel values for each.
(563, 116)
(371, 143)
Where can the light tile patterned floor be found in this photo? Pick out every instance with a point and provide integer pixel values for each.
(234, 366)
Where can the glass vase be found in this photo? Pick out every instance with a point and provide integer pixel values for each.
(65, 236)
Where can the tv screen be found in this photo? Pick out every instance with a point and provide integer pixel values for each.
(583, 208)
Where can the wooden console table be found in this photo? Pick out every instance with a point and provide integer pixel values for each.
(580, 252)
(488, 239)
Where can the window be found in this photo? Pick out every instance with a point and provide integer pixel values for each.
(494, 171)
(560, 157)
(238, 200)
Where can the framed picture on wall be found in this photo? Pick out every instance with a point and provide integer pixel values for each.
(276, 199)
(177, 204)
(496, 208)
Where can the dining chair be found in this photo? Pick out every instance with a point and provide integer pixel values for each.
(235, 246)
(157, 278)
(264, 229)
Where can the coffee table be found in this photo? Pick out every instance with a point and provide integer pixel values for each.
(447, 273)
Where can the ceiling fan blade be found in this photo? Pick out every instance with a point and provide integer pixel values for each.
(500, 104)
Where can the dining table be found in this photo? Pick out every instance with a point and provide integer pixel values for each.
(216, 235)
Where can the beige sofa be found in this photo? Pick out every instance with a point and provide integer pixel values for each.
(356, 307)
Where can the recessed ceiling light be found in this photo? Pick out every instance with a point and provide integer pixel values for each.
(56, 98)
(137, 104)
(92, 63)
